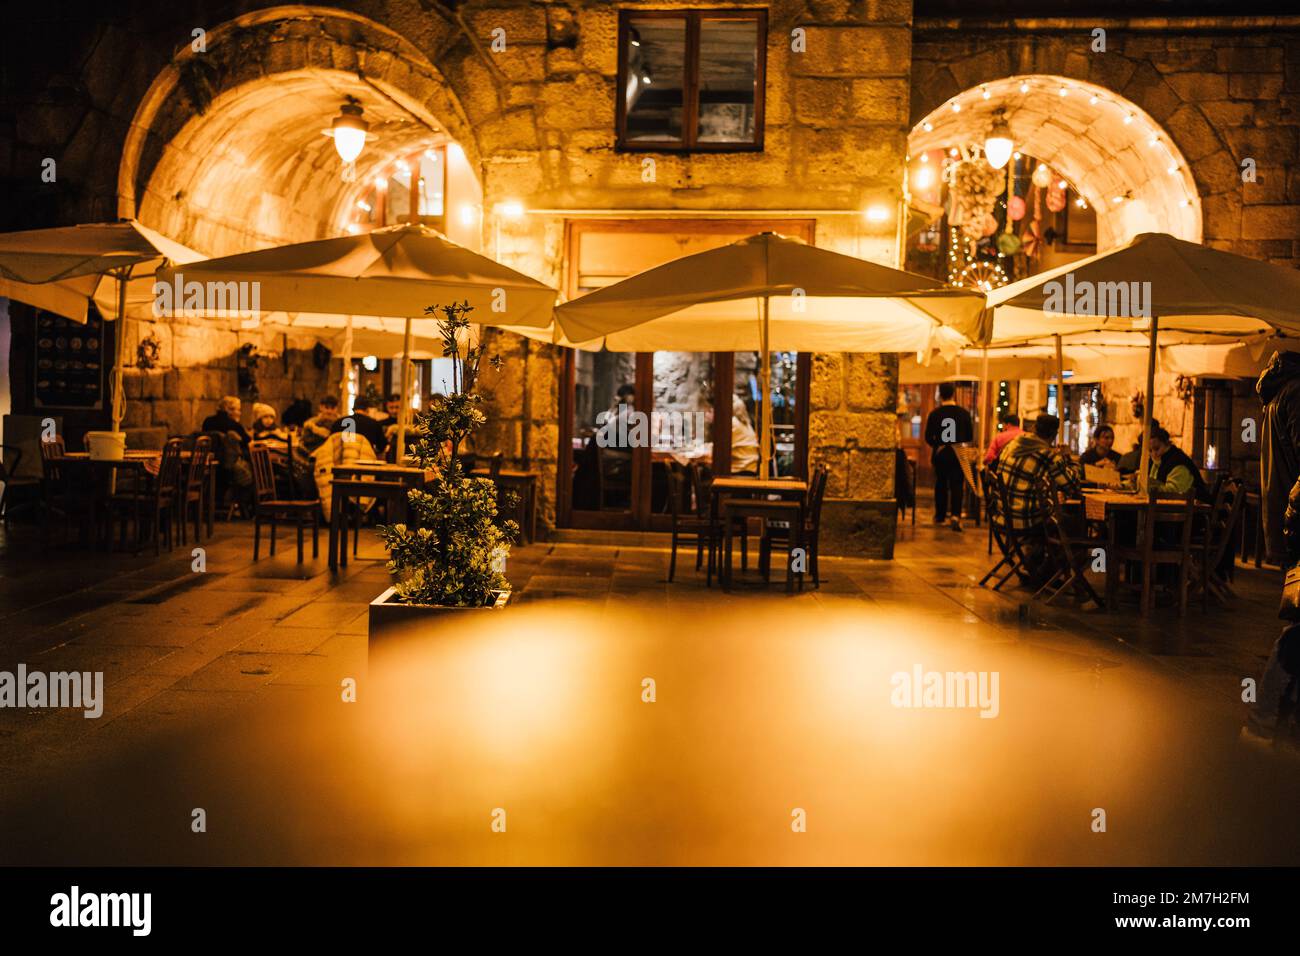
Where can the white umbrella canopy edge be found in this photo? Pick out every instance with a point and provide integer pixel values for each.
(1153, 279)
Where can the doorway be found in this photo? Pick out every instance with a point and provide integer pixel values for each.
(627, 419)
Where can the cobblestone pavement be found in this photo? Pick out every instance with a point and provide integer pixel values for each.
(196, 653)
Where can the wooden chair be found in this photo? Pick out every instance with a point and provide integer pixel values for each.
(194, 488)
(11, 457)
(809, 534)
(1011, 541)
(270, 509)
(1071, 554)
(614, 476)
(689, 526)
(1212, 546)
(150, 504)
(1148, 555)
(53, 493)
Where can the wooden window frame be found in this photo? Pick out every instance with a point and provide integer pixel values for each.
(691, 81)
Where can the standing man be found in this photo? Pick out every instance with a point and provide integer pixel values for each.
(1279, 468)
(948, 428)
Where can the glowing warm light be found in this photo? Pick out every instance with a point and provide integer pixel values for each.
(353, 228)
(403, 165)
(953, 152)
(928, 127)
(956, 107)
(1172, 170)
(1016, 154)
(1092, 100)
(986, 94)
(998, 145)
(370, 363)
(925, 157)
(877, 213)
(1128, 118)
(362, 204)
(468, 213)
(1024, 86)
(1062, 184)
(1063, 91)
(349, 132)
(924, 178)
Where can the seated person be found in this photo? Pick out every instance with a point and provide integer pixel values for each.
(1101, 451)
(744, 440)
(392, 410)
(265, 424)
(318, 428)
(226, 420)
(299, 411)
(1172, 470)
(364, 422)
(1032, 469)
(1009, 423)
(1130, 461)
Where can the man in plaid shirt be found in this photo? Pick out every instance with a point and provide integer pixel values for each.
(1032, 471)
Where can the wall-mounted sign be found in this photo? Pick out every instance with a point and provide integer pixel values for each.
(69, 362)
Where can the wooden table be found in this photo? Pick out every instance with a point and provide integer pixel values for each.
(367, 480)
(740, 486)
(1099, 505)
(524, 485)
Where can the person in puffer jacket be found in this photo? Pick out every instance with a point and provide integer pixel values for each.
(1279, 465)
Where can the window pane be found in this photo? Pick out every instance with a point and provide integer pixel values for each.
(747, 413)
(604, 430)
(728, 70)
(431, 181)
(656, 65)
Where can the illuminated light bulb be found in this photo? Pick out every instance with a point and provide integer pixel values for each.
(403, 165)
(953, 152)
(956, 107)
(1117, 199)
(1092, 100)
(348, 132)
(877, 214)
(925, 157)
(1016, 154)
(1153, 141)
(924, 178)
(353, 228)
(1062, 184)
(1128, 118)
(362, 204)
(1063, 91)
(928, 127)
(467, 214)
(1172, 170)
(998, 145)
(1184, 202)
(1024, 86)
(1081, 203)
(986, 94)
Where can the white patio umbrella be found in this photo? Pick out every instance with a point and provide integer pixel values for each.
(388, 275)
(1157, 288)
(772, 292)
(112, 264)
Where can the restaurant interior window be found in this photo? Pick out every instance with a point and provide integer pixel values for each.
(747, 412)
(414, 190)
(691, 79)
(1212, 409)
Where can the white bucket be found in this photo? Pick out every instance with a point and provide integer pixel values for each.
(106, 446)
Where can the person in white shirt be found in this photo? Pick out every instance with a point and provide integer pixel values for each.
(744, 440)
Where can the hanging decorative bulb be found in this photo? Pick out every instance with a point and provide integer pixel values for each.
(349, 132)
(1042, 175)
(998, 145)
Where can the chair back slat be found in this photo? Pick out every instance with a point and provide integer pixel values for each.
(169, 469)
(197, 472)
(51, 452)
(263, 474)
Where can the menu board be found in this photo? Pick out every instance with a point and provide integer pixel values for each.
(69, 361)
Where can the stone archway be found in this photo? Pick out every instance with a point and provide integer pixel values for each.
(1111, 150)
(225, 152)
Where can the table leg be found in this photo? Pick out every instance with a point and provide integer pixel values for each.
(334, 532)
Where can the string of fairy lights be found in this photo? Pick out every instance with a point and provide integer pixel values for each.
(1012, 94)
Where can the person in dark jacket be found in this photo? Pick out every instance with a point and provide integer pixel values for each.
(1172, 469)
(362, 422)
(1101, 452)
(226, 419)
(1279, 467)
(948, 428)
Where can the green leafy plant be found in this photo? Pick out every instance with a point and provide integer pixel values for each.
(453, 553)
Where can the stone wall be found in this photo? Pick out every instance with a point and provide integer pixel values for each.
(1223, 94)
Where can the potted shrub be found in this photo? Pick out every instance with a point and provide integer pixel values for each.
(450, 557)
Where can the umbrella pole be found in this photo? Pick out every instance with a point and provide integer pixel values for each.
(1144, 460)
(118, 399)
(765, 376)
(1060, 386)
(404, 415)
(118, 410)
(986, 403)
(347, 368)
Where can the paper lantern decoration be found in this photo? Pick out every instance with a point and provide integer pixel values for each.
(1055, 197)
(1042, 175)
(1016, 208)
(1008, 243)
(1033, 238)
(990, 225)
